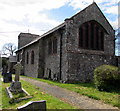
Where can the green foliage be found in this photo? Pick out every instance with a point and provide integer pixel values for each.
(106, 77)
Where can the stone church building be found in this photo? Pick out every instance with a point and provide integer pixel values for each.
(71, 51)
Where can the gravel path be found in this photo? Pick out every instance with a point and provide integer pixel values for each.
(75, 99)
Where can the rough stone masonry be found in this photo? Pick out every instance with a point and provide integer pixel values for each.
(71, 51)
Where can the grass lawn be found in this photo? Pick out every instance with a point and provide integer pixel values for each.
(89, 90)
(0, 95)
(52, 102)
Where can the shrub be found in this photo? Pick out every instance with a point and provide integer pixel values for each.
(106, 77)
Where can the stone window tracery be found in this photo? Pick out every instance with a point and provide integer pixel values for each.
(91, 36)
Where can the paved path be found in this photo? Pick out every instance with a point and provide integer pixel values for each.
(70, 97)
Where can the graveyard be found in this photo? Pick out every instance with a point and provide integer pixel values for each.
(22, 92)
(16, 92)
(72, 64)
(52, 102)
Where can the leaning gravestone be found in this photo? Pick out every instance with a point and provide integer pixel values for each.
(7, 77)
(33, 106)
(16, 85)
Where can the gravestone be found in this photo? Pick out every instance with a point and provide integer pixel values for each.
(33, 106)
(7, 77)
(16, 85)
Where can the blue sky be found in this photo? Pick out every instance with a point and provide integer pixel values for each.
(40, 16)
(61, 13)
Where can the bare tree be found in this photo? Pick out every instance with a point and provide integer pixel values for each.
(9, 49)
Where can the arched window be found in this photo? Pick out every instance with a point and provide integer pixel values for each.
(91, 36)
(27, 58)
(32, 57)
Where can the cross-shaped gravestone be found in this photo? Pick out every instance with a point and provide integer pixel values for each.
(18, 67)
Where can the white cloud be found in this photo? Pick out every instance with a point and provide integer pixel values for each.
(20, 15)
(114, 24)
(110, 6)
(80, 3)
(113, 9)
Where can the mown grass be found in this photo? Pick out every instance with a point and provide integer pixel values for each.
(52, 102)
(0, 94)
(88, 89)
(19, 95)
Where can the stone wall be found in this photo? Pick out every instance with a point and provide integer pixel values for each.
(41, 58)
(88, 14)
(64, 59)
(82, 62)
(25, 38)
(52, 61)
(81, 66)
(31, 70)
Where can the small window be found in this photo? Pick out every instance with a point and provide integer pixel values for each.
(32, 57)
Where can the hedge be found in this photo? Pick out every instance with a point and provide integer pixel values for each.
(107, 77)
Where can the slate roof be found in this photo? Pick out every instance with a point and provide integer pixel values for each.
(47, 33)
(28, 35)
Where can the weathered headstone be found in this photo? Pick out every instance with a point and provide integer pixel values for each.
(16, 85)
(7, 77)
(5, 68)
(33, 106)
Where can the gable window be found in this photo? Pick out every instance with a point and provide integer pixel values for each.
(91, 36)
(32, 57)
(27, 58)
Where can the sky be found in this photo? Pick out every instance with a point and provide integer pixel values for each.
(39, 16)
